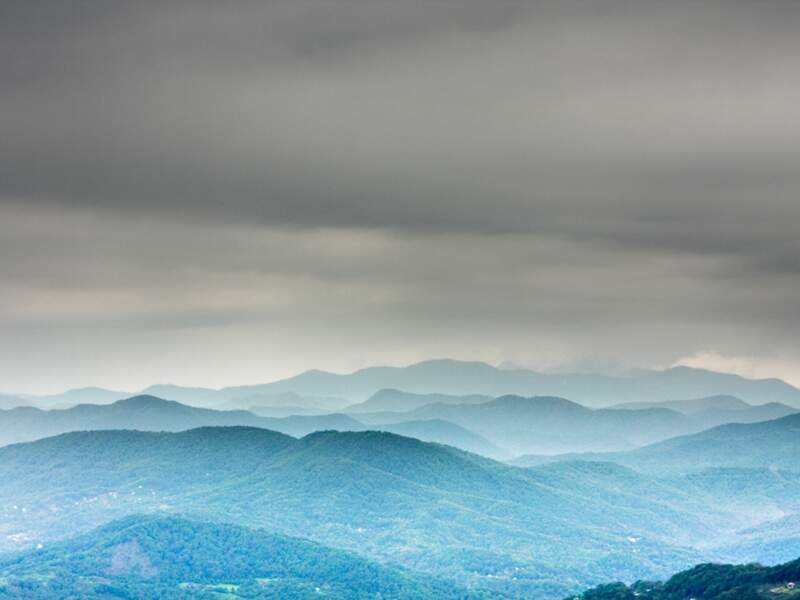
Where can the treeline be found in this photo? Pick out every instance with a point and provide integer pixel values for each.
(708, 582)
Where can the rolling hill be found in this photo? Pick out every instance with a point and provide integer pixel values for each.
(143, 557)
(551, 425)
(431, 508)
(712, 417)
(768, 444)
(718, 410)
(147, 413)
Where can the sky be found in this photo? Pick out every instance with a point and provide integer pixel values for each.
(213, 193)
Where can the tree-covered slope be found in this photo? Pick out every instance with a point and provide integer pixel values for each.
(769, 444)
(428, 507)
(144, 557)
(710, 582)
(537, 533)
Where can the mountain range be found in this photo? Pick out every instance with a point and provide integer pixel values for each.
(498, 428)
(465, 378)
(551, 425)
(770, 445)
(430, 508)
(387, 482)
(718, 410)
(148, 413)
(452, 377)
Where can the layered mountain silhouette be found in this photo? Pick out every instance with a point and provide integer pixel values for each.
(451, 377)
(467, 378)
(718, 410)
(148, 413)
(499, 428)
(770, 444)
(389, 475)
(692, 406)
(430, 508)
(8, 401)
(551, 425)
(392, 400)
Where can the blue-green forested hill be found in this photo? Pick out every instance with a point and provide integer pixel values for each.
(539, 533)
(709, 582)
(146, 557)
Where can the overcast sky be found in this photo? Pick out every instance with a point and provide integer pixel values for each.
(230, 192)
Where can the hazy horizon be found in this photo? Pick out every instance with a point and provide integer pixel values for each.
(556, 369)
(219, 220)
(213, 194)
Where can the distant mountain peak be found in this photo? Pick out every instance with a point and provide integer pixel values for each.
(145, 400)
(538, 402)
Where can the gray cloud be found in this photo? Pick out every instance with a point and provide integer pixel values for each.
(532, 181)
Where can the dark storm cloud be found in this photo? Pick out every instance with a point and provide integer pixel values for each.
(564, 171)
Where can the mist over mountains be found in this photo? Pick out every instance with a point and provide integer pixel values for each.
(408, 300)
(406, 494)
(499, 428)
(428, 507)
(458, 378)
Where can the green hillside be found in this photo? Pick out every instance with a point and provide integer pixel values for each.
(710, 582)
(168, 557)
(539, 532)
(769, 444)
(431, 508)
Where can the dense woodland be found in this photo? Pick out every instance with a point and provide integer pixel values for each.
(710, 582)
(144, 557)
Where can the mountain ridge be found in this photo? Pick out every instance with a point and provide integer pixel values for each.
(146, 556)
(149, 413)
(431, 508)
(770, 444)
(448, 376)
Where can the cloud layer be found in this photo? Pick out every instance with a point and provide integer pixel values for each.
(250, 189)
